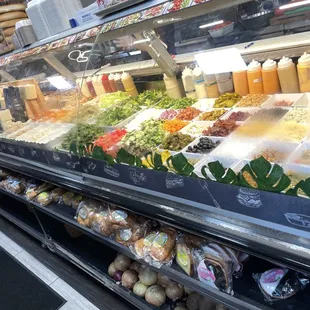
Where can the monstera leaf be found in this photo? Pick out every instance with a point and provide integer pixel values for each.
(77, 149)
(221, 174)
(98, 153)
(73, 149)
(267, 177)
(123, 157)
(155, 161)
(303, 185)
(179, 163)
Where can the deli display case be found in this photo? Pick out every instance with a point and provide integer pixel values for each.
(179, 118)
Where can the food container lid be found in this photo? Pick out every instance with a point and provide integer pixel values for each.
(304, 59)
(197, 71)
(125, 75)
(22, 23)
(187, 72)
(117, 76)
(285, 62)
(269, 64)
(254, 65)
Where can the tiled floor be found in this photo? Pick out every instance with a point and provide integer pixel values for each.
(81, 290)
(74, 300)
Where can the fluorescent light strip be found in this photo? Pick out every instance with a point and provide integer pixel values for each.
(211, 24)
(133, 53)
(141, 41)
(294, 4)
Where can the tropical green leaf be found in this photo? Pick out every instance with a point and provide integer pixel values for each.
(306, 187)
(204, 172)
(138, 162)
(266, 176)
(221, 174)
(303, 185)
(179, 163)
(157, 160)
(98, 153)
(123, 157)
(73, 149)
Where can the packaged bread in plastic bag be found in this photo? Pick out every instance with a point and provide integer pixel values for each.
(280, 283)
(56, 194)
(44, 199)
(214, 267)
(15, 185)
(76, 199)
(121, 218)
(33, 189)
(67, 198)
(30, 186)
(100, 220)
(184, 252)
(163, 244)
(141, 246)
(139, 229)
(86, 211)
(157, 247)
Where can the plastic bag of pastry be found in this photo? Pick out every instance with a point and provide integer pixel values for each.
(4, 183)
(57, 193)
(31, 184)
(163, 244)
(44, 199)
(157, 248)
(214, 267)
(127, 236)
(76, 201)
(141, 247)
(122, 219)
(67, 198)
(16, 185)
(33, 191)
(184, 254)
(4, 173)
(280, 283)
(86, 211)
(100, 221)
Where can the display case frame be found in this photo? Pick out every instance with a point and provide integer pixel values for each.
(269, 229)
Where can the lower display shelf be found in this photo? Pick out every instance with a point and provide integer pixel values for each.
(17, 213)
(87, 253)
(65, 215)
(93, 265)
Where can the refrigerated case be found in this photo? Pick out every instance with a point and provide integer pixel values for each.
(66, 119)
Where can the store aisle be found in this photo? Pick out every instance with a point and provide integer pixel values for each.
(31, 270)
